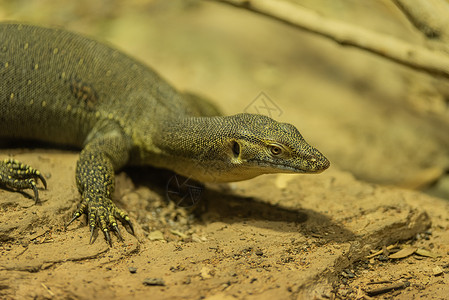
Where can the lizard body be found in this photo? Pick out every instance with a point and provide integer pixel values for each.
(63, 88)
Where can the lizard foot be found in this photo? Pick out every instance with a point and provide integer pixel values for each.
(18, 176)
(103, 213)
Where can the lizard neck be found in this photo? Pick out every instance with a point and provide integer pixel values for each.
(196, 147)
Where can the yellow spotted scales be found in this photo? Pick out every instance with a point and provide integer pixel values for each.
(66, 89)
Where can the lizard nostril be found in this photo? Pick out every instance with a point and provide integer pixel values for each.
(326, 164)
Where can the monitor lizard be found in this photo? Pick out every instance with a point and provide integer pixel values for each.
(63, 88)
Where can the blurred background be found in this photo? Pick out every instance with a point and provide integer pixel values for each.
(380, 121)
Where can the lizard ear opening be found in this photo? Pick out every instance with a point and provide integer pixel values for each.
(236, 148)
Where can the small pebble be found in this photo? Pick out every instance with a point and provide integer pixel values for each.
(348, 273)
(437, 271)
(382, 258)
(154, 281)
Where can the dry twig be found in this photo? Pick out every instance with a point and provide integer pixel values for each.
(413, 56)
(388, 288)
(429, 16)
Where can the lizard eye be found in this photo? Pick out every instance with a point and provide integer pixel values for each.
(275, 150)
(236, 149)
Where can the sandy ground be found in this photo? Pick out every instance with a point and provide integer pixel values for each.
(327, 236)
(279, 236)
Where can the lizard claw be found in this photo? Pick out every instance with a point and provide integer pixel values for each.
(108, 237)
(130, 224)
(42, 178)
(75, 216)
(92, 230)
(127, 221)
(36, 194)
(117, 230)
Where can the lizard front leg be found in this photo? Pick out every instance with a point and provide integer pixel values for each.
(99, 159)
(18, 176)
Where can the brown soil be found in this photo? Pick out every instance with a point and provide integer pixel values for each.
(273, 237)
(280, 236)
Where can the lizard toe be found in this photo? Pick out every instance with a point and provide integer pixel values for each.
(123, 216)
(81, 210)
(101, 213)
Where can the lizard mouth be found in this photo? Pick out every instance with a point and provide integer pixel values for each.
(279, 168)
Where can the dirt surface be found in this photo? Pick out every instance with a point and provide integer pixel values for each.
(275, 236)
(327, 236)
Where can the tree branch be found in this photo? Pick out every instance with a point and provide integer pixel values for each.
(413, 56)
(431, 17)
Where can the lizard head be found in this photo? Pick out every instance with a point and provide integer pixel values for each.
(234, 148)
(251, 145)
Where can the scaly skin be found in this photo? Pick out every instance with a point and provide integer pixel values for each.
(63, 88)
